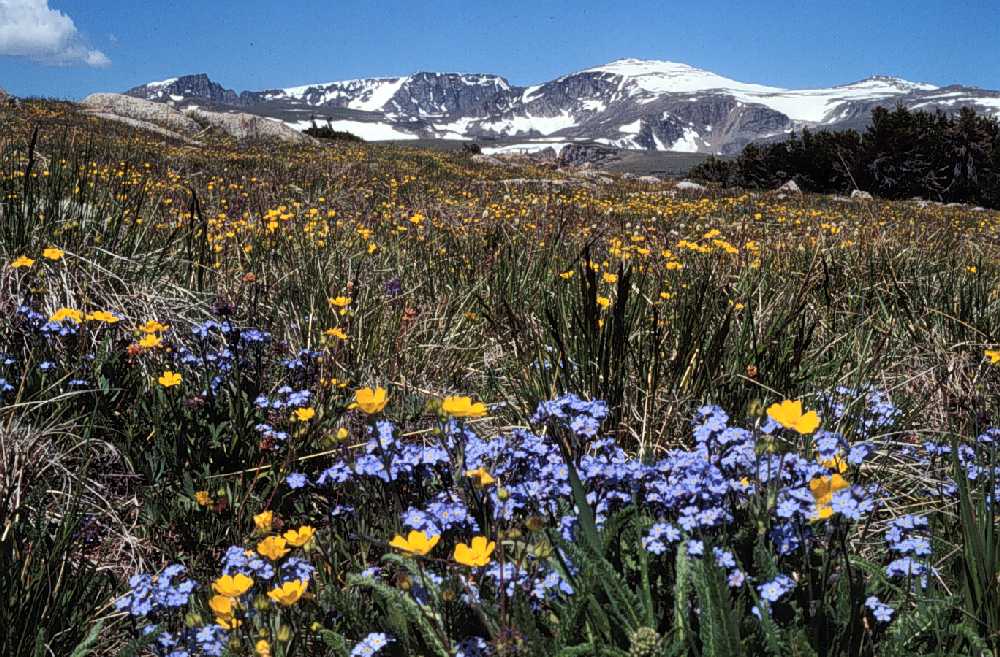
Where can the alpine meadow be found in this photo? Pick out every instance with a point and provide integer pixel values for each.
(271, 390)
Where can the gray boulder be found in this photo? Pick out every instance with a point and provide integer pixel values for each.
(790, 187)
(250, 127)
(690, 187)
(139, 113)
(860, 195)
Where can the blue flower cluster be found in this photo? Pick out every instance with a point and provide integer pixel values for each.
(907, 538)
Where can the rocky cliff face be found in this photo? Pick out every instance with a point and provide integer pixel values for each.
(634, 104)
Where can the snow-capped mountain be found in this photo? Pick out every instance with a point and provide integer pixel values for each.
(628, 103)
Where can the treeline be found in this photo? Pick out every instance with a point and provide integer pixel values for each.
(902, 154)
(327, 132)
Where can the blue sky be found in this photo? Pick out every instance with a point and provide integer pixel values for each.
(69, 48)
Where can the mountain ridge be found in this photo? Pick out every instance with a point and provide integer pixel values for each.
(627, 103)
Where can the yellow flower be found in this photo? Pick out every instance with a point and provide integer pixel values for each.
(566, 275)
(262, 648)
(273, 547)
(289, 592)
(342, 434)
(608, 277)
(415, 542)
(168, 379)
(299, 537)
(222, 605)
(822, 489)
(203, 498)
(150, 341)
(262, 521)
(52, 253)
(304, 414)
(603, 302)
(232, 586)
(476, 554)
(339, 302)
(228, 623)
(993, 355)
(462, 407)
(789, 415)
(102, 316)
(21, 261)
(64, 314)
(336, 333)
(370, 401)
(483, 477)
(153, 326)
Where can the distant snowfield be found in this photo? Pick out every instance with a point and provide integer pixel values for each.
(365, 130)
(523, 149)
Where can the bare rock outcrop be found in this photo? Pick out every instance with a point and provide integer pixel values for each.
(249, 127)
(140, 113)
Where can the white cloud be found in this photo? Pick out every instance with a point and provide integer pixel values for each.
(29, 28)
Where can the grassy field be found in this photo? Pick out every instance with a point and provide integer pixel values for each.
(370, 399)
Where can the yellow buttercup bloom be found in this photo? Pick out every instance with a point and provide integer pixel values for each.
(228, 623)
(21, 261)
(203, 498)
(289, 592)
(299, 537)
(608, 277)
(339, 302)
(169, 379)
(153, 326)
(273, 547)
(481, 475)
(52, 253)
(222, 605)
(150, 341)
(822, 489)
(64, 314)
(232, 586)
(993, 355)
(476, 554)
(566, 275)
(102, 316)
(336, 332)
(304, 414)
(262, 648)
(417, 543)
(603, 302)
(789, 415)
(462, 407)
(262, 521)
(370, 401)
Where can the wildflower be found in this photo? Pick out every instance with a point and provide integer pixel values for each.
(289, 592)
(262, 648)
(339, 302)
(789, 415)
(822, 489)
(370, 401)
(336, 332)
(21, 261)
(993, 355)
(262, 521)
(482, 477)
(232, 586)
(66, 314)
(52, 253)
(603, 302)
(462, 407)
(370, 645)
(150, 342)
(608, 277)
(299, 537)
(273, 547)
(153, 326)
(416, 542)
(296, 480)
(102, 316)
(566, 275)
(773, 591)
(476, 554)
(881, 611)
(169, 379)
(203, 498)
(304, 414)
(222, 605)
